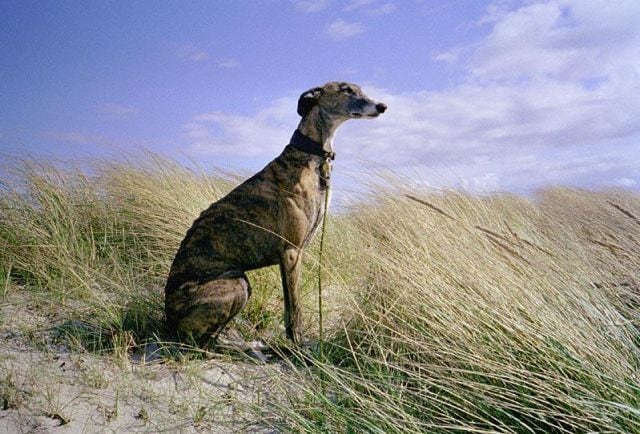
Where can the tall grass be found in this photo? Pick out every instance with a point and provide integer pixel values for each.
(446, 312)
(95, 245)
(486, 314)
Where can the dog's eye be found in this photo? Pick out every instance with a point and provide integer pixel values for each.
(347, 90)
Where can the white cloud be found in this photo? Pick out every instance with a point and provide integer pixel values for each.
(118, 111)
(357, 4)
(560, 40)
(228, 63)
(190, 53)
(265, 133)
(370, 7)
(625, 182)
(309, 6)
(383, 9)
(525, 172)
(550, 95)
(474, 117)
(450, 56)
(340, 30)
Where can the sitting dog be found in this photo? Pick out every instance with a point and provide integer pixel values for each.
(269, 219)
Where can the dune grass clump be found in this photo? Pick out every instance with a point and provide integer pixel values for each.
(92, 246)
(443, 311)
(483, 315)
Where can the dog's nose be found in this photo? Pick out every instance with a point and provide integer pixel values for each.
(381, 107)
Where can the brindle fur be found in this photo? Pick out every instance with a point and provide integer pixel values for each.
(266, 220)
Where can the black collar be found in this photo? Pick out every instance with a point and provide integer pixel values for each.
(303, 143)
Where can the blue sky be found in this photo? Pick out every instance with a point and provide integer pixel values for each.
(493, 95)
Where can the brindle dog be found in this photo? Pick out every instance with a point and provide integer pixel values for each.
(266, 220)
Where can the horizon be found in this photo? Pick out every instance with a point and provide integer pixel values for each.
(483, 96)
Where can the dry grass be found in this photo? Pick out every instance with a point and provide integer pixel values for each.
(445, 311)
(485, 314)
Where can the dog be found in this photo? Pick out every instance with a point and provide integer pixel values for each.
(267, 220)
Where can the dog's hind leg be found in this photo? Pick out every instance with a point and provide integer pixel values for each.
(201, 310)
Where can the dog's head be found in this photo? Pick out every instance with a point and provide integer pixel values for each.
(340, 99)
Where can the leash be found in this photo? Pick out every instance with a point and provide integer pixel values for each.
(303, 143)
(326, 168)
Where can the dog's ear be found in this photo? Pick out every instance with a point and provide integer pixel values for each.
(308, 99)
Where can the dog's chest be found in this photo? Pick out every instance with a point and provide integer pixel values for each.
(322, 196)
(305, 202)
(317, 214)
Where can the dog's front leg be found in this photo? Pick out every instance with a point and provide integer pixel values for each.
(291, 270)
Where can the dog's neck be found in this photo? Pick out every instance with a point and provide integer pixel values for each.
(303, 143)
(320, 127)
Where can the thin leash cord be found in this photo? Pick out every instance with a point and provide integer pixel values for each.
(320, 316)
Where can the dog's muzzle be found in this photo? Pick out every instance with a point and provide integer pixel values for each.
(370, 111)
